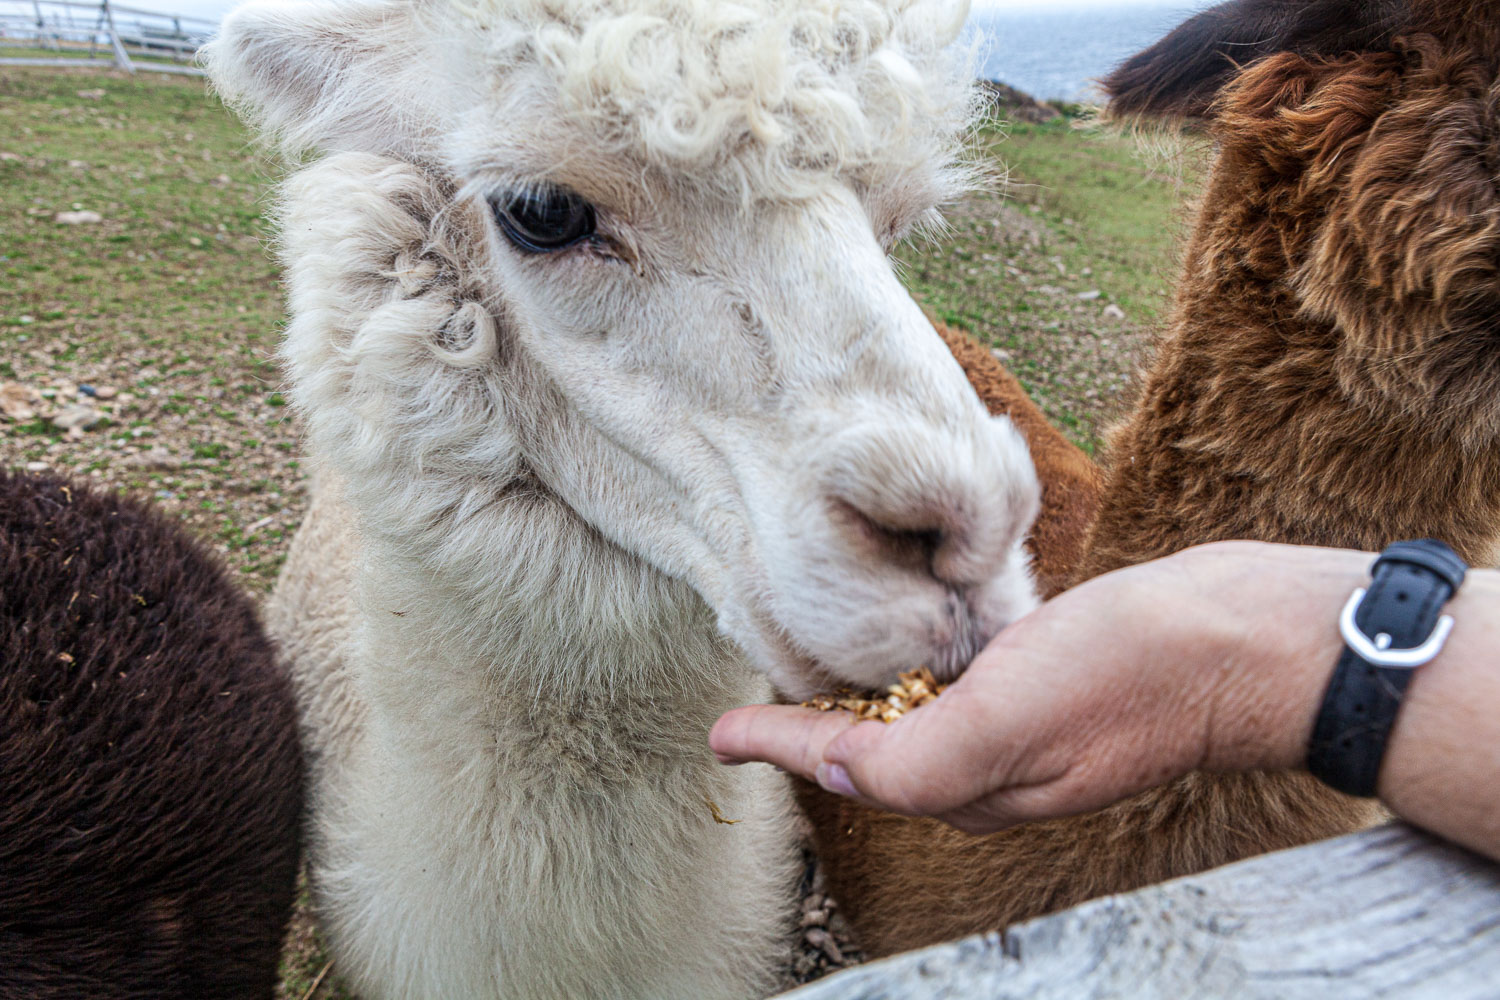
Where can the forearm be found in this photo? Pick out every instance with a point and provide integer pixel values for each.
(1442, 763)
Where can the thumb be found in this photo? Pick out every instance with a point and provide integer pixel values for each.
(933, 760)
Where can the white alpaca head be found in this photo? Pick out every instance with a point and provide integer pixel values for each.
(627, 259)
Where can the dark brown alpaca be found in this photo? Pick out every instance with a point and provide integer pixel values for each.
(1331, 375)
(150, 778)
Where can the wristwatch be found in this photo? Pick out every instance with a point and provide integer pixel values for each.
(1389, 630)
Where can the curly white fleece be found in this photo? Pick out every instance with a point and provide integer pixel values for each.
(760, 98)
(758, 93)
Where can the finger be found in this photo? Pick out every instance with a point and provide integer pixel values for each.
(937, 758)
(792, 738)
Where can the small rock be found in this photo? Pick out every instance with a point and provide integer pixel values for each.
(9, 157)
(1113, 311)
(147, 372)
(1090, 295)
(105, 392)
(263, 522)
(1049, 289)
(819, 938)
(78, 164)
(1000, 353)
(18, 402)
(195, 241)
(92, 95)
(77, 218)
(78, 417)
(156, 458)
(37, 466)
(84, 389)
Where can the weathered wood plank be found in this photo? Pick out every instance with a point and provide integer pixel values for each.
(1389, 912)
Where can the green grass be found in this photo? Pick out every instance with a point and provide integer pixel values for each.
(166, 167)
(100, 56)
(175, 282)
(1081, 210)
(1118, 207)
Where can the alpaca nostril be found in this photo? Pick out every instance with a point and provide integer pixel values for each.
(903, 545)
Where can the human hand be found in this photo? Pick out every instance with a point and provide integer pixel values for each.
(1213, 658)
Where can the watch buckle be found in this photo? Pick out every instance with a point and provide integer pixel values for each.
(1378, 650)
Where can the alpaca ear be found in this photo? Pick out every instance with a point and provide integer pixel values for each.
(331, 75)
(1180, 75)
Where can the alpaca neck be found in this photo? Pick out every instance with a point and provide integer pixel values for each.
(532, 770)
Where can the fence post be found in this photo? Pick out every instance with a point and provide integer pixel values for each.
(122, 58)
(41, 29)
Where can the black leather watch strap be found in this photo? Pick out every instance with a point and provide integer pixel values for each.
(1397, 620)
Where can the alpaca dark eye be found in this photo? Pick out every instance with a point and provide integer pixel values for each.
(545, 220)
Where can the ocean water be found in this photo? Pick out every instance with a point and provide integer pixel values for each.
(1059, 52)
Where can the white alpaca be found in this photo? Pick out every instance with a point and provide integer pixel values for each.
(620, 417)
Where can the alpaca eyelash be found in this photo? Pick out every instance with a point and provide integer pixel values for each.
(544, 220)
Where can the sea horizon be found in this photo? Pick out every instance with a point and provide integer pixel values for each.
(1057, 53)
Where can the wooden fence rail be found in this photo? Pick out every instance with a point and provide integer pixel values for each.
(1389, 912)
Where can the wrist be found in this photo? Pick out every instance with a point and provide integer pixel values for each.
(1279, 606)
(1444, 748)
(1391, 628)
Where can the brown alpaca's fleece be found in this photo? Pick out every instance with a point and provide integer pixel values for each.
(1331, 376)
(1071, 482)
(150, 777)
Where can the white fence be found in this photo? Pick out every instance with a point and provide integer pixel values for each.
(78, 33)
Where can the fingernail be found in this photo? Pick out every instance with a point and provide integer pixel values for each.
(834, 778)
(728, 761)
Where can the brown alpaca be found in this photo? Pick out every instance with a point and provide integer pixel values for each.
(1071, 482)
(1329, 377)
(893, 875)
(150, 778)
(906, 882)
